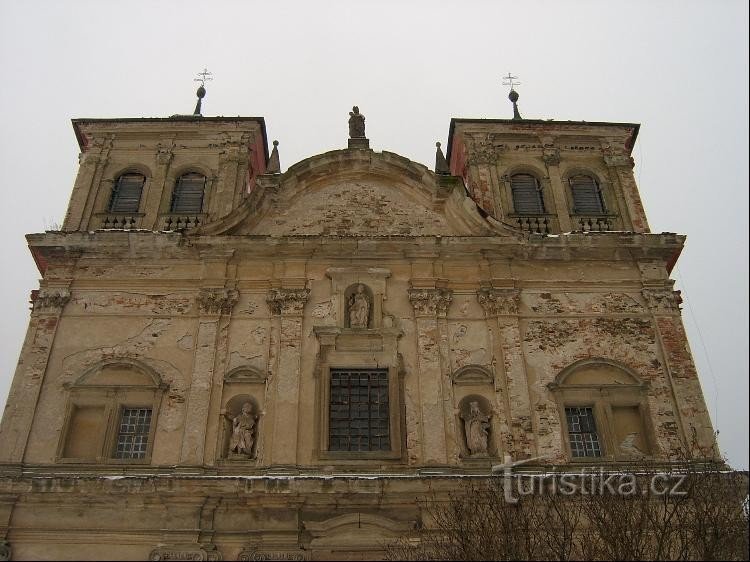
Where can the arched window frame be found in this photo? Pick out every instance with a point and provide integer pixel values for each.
(111, 399)
(186, 197)
(127, 193)
(596, 203)
(604, 399)
(532, 198)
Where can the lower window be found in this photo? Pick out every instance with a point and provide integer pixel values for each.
(584, 439)
(132, 436)
(358, 410)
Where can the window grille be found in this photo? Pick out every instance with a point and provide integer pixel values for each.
(188, 194)
(584, 440)
(527, 196)
(587, 196)
(359, 410)
(132, 436)
(126, 195)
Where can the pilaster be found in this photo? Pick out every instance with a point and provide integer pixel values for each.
(430, 310)
(501, 307)
(287, 305)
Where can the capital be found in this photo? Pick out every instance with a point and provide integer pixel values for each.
(287, 302)
(499, 302)
(49, 300)
(430, 302)
(217, 301)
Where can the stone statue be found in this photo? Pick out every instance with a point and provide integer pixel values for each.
(359, 308)
(476, 427)
(356, 124)
(243, 431)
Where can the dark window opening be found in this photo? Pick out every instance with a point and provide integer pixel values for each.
(126, 195)
(587, 197)
(584, 440)
(527, 195)
(188, 194)
(359, 419)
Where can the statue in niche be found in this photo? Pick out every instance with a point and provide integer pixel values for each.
(356, 124)
(476, 428)
(243, 432)
(359, 308)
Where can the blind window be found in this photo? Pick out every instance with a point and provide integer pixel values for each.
(359, 410)
(188, 194)
(126, 196)
(527, 197)
(587, 197)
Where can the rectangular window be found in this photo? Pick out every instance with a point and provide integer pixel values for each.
(584, 440)
(132, 436)
(358, 410)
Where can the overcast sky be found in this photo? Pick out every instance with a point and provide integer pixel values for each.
(679, 68)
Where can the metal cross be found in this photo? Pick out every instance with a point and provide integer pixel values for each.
(203, 76)
(509, 81)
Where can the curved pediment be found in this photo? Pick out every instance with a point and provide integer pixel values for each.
(357, 193)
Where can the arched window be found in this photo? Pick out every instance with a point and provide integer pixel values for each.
(603, 411)
(126, 195)
(587, 196)
(187, 196)
(527, 195)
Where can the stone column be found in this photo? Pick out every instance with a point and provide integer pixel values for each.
(153, 197)
(288, 305)
(501, 306)
(551, 157)
(695, 422)
(621, 174)
(84, 190)
(212, 304)
(48, 304)
(430, 309)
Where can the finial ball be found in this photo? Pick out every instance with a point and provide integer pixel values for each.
(513, 96)
(437, 144)
(201, 93)
(276, 143)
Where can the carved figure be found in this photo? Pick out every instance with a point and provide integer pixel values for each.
(356, 124)
(359, 308)
(243, 431)
(476, 427)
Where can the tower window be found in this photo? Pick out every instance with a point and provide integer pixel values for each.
(527, 195)
(359, 419)
(188, 194)
(584, 439)
(132, 436)
(126, 195)
(587, 196)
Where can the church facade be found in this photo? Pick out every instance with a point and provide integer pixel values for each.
(224, 361)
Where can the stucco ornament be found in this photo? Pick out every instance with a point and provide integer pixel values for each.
(243, 431)
(359, 308)
(476, 429)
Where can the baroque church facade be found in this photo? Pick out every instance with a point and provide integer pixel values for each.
(224, 361)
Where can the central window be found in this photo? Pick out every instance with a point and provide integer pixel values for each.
(358, 410)
(584, 439)
(132, 437)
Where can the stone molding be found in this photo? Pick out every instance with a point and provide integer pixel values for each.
(191, 552)
(217, 301)
(287, 302)
(499, 302)
(49, 300)
(662, 300)
(429, 302)
(253, 554)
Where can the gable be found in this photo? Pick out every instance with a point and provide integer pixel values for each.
(356, 207)
(356, 193)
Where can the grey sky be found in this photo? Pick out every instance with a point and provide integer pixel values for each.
(679, 68)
